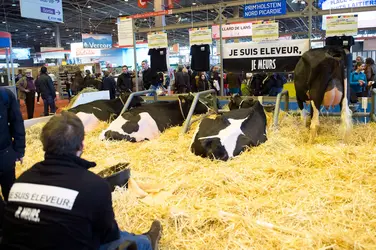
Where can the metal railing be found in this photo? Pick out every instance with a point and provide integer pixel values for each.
(128, 103)
(277, 109)
(188, 122)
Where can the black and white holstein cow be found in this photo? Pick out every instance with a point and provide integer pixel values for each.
(148, 121)
(320, 80)
(102, 110)
(231, 133)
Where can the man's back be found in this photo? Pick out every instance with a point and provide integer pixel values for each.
(59, 204)
(46, 86)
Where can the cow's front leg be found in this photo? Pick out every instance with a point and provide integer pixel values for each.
(314, 123)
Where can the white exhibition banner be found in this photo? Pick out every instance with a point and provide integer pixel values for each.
(125, 31)
(340, 25)
(278, 56)
(232, 30)
(200, 36)
(265, 31)
(77, 50)
(47, 10)
(157, 40)
(51, 49)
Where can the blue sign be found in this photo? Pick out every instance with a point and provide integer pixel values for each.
(48, 10)
(97, 41)
(274, 8)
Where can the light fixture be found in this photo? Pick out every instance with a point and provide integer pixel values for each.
(194, 3)
(4, 22)
(113, 30)
(14, 5)
(125, 0)
(120, 14)
(145, 19)
(70, 35)
(176, 15)
(16, 30)
(45, 33)
(38, 26)
(66, 29)
(27, 35)
(89, 6)
(73, 39)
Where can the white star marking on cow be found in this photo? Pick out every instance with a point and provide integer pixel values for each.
(227, 135)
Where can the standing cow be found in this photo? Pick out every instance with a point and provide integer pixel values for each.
(230, 134)
(320, 80)
(102, 110)
(148, 121)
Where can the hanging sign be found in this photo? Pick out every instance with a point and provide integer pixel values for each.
(47, 10)
(97, 41)
(125, 31)
(342, 25)
(157, 40)
(265, 31)
(151, 14)
(200, 36)
(143, 4)
(232, 30)
(278, 56)
(274, 8)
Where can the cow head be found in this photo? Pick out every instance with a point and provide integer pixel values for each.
(186, 103)
(237, 102)
(136, 100)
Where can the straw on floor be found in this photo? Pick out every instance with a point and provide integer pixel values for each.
(284, 194)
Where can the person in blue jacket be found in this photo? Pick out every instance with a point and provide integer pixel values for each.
(358, 80)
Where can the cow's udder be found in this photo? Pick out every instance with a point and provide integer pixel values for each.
(332, 97)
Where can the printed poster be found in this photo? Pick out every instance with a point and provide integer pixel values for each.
(265, 31)
(157, 40)
(200, 36)
(342, 25)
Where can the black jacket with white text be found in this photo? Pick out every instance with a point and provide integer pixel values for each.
(59, 204)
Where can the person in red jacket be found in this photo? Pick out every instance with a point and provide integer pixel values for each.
(59, 204)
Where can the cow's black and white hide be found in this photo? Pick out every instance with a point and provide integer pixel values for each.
(230, 134)
(320, 80)
(148, 121)
(237, 102)
(103, 110)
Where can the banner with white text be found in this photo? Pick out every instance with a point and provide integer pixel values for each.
(281, 56)
(125, 32)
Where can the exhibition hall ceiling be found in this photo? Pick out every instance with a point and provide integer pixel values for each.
(99, 16)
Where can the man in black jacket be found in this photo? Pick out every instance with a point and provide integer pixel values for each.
(149, 76)
(124, 81)
(109, 84)
(12, 139)
(60, 204)
(47, 90)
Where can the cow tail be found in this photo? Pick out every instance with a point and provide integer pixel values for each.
(346, 113)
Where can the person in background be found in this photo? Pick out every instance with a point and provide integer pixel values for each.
(12, 139)
(68, 84)
(149, 77)
(109, 84)
(233, 82)
(203, 83)
(78, 81)
(98, 81)
(37, 88)
(47, 91)
(246, 85)
(214, 78)
(370, 71)
(139, 83)
(87, 79)
(124, 81)
(26, 91)
(182, 80)
(80, 213)
(358, 82)
(273, 84)
(19, 75)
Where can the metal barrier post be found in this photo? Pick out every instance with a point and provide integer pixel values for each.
(278, 106)
(373, 106)
(187, 123)
(128, 103)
